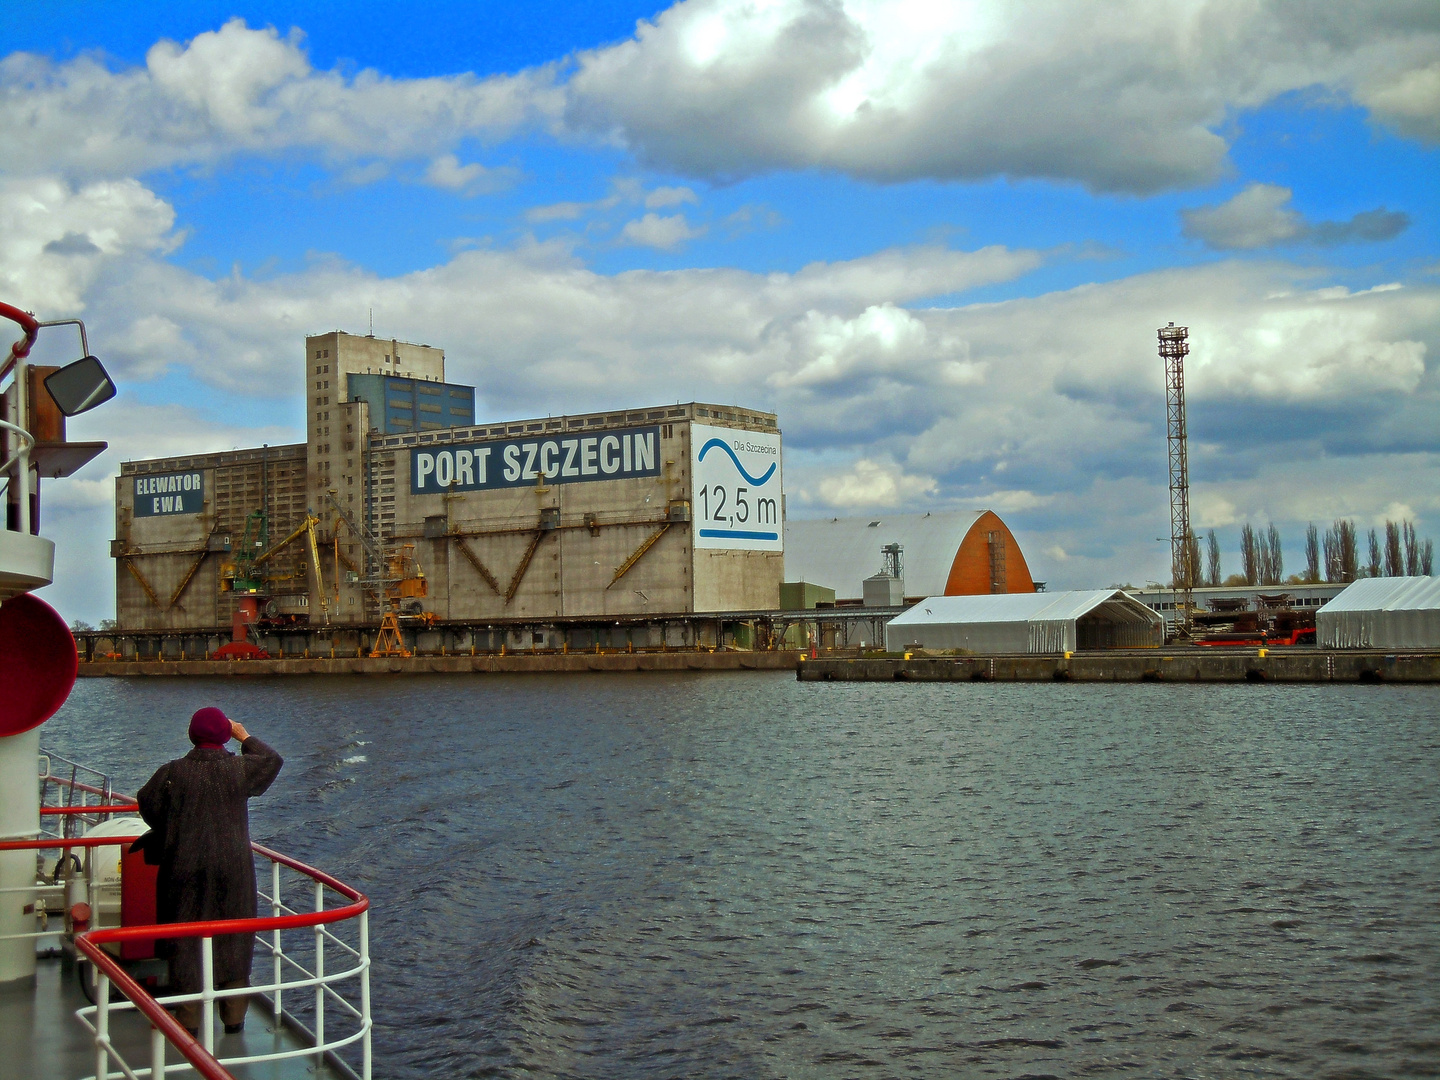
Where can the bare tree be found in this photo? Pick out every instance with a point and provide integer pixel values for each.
(1342, 561)
(1276, 558)
(1394, 556)
(1427, 558)
(1376, 560)
(1213, 559)
(1193, 564)
(1312, 553)
(1249, 556)
(1412, 548)
(1349, 551)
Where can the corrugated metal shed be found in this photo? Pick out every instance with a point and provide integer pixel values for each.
(840, 553)
(1028, 623)
(1382, 613)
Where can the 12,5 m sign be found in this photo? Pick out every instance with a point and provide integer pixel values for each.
(737, 489)
(508, 463)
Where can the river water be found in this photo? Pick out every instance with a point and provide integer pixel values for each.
(742, 875)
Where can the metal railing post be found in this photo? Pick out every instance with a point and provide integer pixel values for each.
(157, 1054)
(275, 937)
(102, 1026)
(207, 1001)
(320, 978)
(365, 994)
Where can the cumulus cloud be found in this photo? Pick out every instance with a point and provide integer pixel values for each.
(868, 484)
(662, 233)
(56, 239)
(1261, 216)
(447, 173)
(1126, 96)
(242, 90)
(669, 196)
(1048, 407)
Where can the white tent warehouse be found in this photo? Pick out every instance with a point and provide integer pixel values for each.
(1382, 613)
(1028, 623)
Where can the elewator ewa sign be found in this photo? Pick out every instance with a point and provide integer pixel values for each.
(169, 493)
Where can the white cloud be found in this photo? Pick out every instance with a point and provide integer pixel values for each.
(447, 173)
(1126, 96)
(662, 233)
(662, 197)
(874, 484)
(238, 90)
(1049, 408)
(1260, 216)
(56, 239)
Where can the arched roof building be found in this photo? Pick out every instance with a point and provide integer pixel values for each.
(945, 554)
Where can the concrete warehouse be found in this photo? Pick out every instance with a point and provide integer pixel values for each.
(398, 498)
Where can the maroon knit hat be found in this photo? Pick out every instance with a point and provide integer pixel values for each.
(209, 727)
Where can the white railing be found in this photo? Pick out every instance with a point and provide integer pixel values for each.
(333, 1017)
(319, 969)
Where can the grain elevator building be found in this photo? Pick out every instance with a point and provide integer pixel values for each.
(399, 499)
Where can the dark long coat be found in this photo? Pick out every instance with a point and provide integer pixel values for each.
(197, 808)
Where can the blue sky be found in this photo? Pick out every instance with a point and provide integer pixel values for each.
(936, 240)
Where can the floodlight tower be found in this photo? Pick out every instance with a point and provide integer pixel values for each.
(1174, 347)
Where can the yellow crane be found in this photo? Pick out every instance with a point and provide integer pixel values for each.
(306, 529)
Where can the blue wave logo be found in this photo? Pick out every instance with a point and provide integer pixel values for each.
(756, 480)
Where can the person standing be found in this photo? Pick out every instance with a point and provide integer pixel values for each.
(197, 811)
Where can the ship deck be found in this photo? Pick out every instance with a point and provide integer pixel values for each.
(41, 1039)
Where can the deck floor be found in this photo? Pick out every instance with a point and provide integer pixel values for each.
(41, 1039)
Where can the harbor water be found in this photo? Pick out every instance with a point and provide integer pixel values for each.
(740, 875)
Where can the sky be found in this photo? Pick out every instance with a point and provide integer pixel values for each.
(936, 239)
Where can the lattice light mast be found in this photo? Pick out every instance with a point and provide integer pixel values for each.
(1174, 347)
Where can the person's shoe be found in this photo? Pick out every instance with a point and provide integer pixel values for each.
(235, 1029)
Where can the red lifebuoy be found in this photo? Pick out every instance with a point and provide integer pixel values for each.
(38, 663)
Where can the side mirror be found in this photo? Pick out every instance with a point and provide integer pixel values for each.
(79, 387)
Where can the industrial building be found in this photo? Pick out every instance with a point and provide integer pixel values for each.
(1034, 623)
(936, 554)
(1382, 613)
(399, 501)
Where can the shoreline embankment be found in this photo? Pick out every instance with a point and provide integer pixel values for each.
(1181, 664)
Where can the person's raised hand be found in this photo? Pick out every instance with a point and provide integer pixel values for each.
(238, 732)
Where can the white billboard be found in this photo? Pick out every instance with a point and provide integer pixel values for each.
(737, 489)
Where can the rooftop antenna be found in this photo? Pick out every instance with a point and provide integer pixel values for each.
(1174, 347)
(372, 322)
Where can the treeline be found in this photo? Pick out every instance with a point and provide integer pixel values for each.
(1332, 556)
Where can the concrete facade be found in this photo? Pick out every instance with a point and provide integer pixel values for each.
(578, 533)
(168, 561)
(554, 549)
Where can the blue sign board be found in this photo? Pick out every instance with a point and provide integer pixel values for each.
(169, 493)
(617, 454)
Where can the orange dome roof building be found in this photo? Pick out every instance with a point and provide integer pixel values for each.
(944, 554)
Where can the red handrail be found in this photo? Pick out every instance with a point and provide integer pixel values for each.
(89, 943)
(98, 808)
(21, 348)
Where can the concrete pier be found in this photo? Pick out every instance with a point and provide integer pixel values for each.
(535, 663)
(1192, 665)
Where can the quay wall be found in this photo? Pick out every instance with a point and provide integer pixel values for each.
(1179, 665)
(533, 663)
